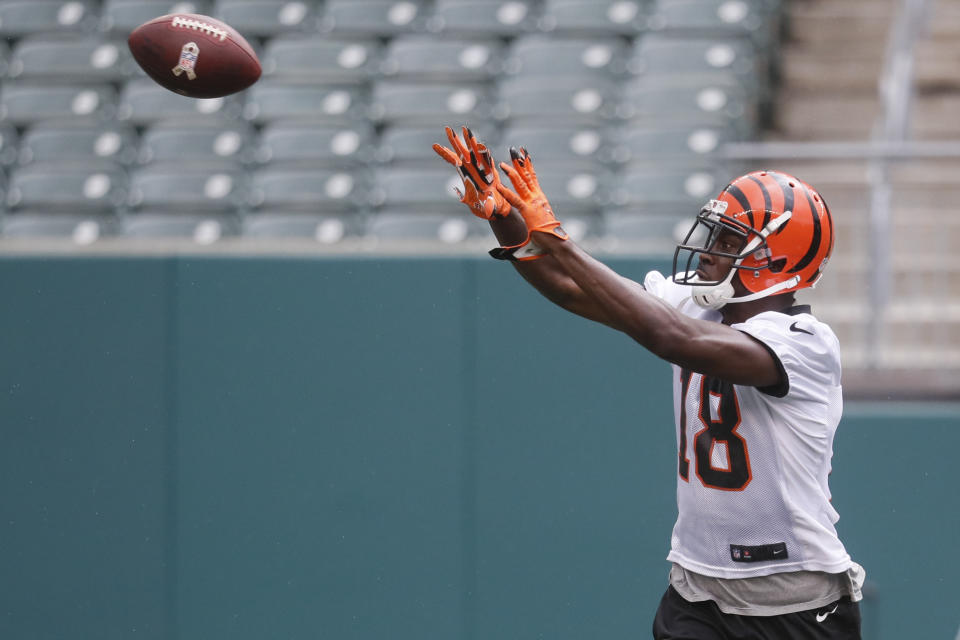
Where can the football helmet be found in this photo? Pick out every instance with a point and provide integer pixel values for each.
(786, 238)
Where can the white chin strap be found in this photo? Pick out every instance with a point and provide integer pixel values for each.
(721, 294)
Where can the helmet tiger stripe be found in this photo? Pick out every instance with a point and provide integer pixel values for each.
(800, 246)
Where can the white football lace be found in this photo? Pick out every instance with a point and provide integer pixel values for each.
(197, 25)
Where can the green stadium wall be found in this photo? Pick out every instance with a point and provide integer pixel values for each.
(369, 448)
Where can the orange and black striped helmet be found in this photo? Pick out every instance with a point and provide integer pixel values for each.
(787, 234)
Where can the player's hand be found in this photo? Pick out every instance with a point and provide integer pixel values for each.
(528, 198)
(480, 178)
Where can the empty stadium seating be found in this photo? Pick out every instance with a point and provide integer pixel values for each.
(321, 60)
(428, 227)
(595, 17)
(78, 229)
(264, 18)
(543, 55)
(315, 144)
(66, 188)
(143, 102)
(428, 58)
(308, 189)
(123, 16)
(173, 141)
(24, 17)
(22, 104)
(267, 101)
(319, 228)
(178, 188)
(502, 18)
(78, 143)
(354, 94)
(377, 18)
(201, 229)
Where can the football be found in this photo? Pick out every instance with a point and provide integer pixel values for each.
(194, 55)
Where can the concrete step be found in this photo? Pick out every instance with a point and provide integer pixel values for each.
(934, 117)
(829, 21)
(935, 65)
(944, 22)
(846, 76)
(802, 115)
(852, 68)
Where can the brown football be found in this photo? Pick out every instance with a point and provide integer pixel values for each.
(194, 55)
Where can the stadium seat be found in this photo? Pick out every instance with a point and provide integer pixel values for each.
(324, 229)
(56, 58)
(24, 104)
(265, 18)
(561, 144)
(716, 18)
(78, 229)
(4, 58)
(174, 187)
(644, 231)
(201, 229)
(9, 144)
(23, 17)
(583, 225)
(672, 143)
(668, 101)
(321, 60)
(430, 103)
(3, 191)
(432, 228)
(143, 101)
(173, 141)
(595, 17)
(123, 16)
(376, 18)
(570, 99)
(57, 142)
(66, 188)
(414, 144)
(308, 189)
(553, 55)
(267, 101)
(580, 189)
(503, 18)
(667, 190)
(658, 54)
(317, 145)
(415, 58)
(417, 189)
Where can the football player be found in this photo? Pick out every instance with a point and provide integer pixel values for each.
(757, 394)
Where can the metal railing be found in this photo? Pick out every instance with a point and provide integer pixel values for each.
(890, 142)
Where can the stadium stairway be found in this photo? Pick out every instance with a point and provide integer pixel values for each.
(832, 67)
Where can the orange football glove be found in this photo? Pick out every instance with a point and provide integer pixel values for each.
(480, 178)
(528, 197)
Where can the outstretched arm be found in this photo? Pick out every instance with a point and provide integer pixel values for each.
(545, 274)
(710, 348)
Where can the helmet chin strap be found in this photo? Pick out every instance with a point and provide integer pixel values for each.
(722, 294)
(712, 297)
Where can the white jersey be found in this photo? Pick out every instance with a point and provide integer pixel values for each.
(752, 488)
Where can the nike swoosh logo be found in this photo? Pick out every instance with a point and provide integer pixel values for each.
(823, 616)
(797, 329)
